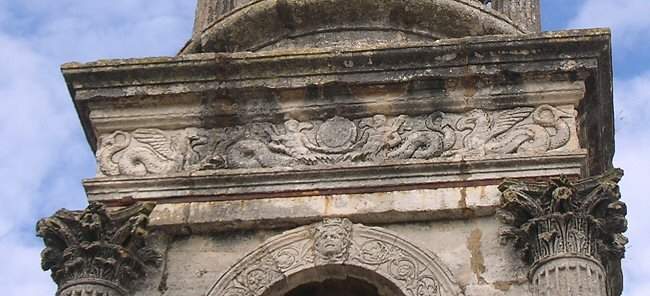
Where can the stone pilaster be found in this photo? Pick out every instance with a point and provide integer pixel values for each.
(96, 252)
(570, 232)
(526, 13)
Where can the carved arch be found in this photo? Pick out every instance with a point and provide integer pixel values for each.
(336, 241)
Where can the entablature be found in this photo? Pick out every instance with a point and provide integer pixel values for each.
(280, 124)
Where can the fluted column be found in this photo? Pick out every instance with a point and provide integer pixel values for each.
(569, 232)
(526, 13)
(95, 252)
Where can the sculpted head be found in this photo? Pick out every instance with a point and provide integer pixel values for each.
(332, 238)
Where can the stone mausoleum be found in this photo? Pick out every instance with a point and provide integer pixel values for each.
(349, 148)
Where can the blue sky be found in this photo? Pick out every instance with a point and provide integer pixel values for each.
(44, 156)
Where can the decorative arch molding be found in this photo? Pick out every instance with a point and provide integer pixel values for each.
(337, 241)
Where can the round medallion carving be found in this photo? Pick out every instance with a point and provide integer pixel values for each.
(337, 132)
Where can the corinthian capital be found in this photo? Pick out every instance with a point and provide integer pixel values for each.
(562, 218)
(96, 251)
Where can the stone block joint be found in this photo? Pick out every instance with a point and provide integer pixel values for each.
(569, 232)
(96, 251)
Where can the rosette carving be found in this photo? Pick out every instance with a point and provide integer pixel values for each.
(562, 218)
(97, 250)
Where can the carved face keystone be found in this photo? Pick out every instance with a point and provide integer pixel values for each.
(332, 240)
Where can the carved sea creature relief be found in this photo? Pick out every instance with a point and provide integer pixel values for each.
(295, 143)
(148, 151)
(519, 130)
(433, 141)
(267, 145)
(376, 138)
(338, 139)
(378, 134)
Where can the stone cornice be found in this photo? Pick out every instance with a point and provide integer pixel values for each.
(489, 72)
(257, 68)
(287, 182)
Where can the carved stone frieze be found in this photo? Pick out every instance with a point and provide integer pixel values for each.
(338, 140)
(96, 251)
(564, 220)
(337, 241)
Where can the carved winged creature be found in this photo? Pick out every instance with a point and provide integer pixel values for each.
(148, 151)
(518, 130)
(483, 127)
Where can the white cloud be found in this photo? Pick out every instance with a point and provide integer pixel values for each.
(630, 25)
(628, 19)
(632, 104)
(21, 276)
(43, 153)
(633, 139)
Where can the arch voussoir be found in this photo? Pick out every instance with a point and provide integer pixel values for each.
(336, 241)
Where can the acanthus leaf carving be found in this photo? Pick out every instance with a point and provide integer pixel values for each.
(337, 140)
(98, 247)
(566, 218)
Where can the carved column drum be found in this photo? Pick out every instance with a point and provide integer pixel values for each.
(526, 13)
(92, 288)
(565, 258)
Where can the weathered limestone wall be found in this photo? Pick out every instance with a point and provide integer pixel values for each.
(470, 248)
(569, 233)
